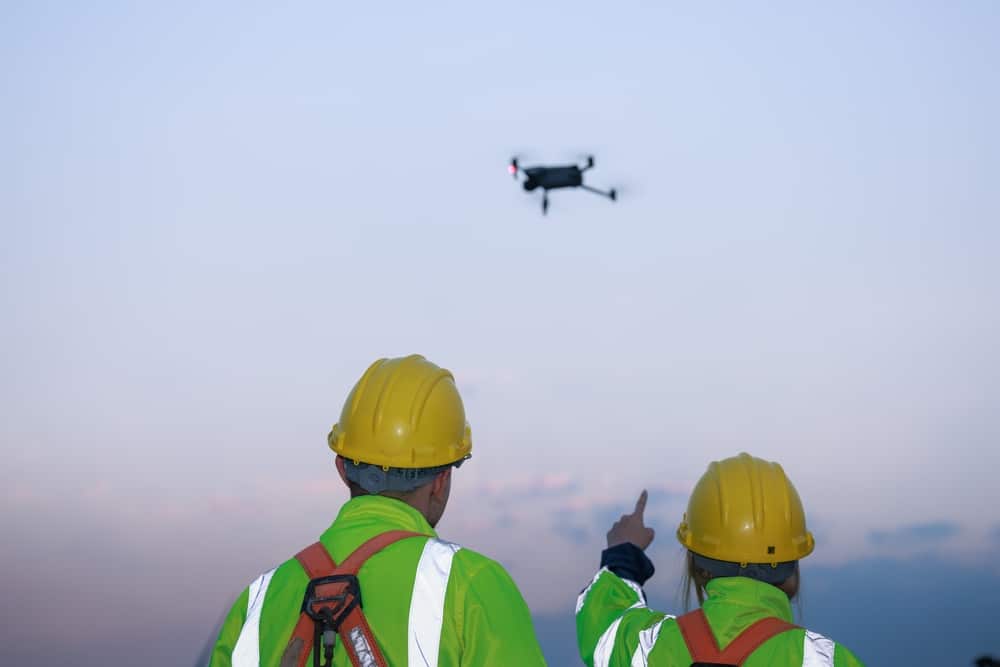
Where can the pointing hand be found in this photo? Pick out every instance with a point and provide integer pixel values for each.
(630, 527)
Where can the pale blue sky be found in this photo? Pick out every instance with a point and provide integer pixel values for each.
(216, 216)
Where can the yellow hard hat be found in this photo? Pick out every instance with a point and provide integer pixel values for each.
(745, 510)
(403, 413)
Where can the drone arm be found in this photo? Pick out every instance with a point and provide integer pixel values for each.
(598, 192)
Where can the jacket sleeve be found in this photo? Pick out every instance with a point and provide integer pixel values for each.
(222, 652)
(613, 622)
(496, 623)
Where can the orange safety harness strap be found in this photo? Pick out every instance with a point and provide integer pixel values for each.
(703, 647)
(353, 628)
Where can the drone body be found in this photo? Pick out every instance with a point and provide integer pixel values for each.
(553, 178)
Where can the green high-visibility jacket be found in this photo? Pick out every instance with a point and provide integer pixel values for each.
(428, 602)
(614, 626)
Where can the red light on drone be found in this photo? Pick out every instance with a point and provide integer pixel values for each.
(512, 169)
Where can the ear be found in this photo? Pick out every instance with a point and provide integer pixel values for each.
(342, 470)
(791, 585)
(441, 482)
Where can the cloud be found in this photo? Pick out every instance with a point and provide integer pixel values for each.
(549, 485)
(588, 526)
(574, 533)
(915, 534)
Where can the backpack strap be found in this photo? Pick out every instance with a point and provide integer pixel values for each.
(703, 647)
(354, 630)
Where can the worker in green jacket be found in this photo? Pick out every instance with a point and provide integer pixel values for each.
(744, 532)
(426, 601)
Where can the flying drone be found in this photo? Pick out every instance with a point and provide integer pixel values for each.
(553, 178)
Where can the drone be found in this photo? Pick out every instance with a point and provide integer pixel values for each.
(553, 178)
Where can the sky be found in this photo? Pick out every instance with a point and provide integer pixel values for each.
(216, 215)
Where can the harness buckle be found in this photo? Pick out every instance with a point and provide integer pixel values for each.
(329, 600)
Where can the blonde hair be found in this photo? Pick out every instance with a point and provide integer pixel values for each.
(693, 579)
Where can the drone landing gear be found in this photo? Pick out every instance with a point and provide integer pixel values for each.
(545, 203)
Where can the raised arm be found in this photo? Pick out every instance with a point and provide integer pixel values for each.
(613, 622)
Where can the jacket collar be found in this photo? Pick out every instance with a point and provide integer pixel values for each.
(379, 514)
(750, 593)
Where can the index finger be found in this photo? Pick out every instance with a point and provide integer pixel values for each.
(640, 505)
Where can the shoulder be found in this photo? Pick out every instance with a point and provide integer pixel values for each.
(284, 580)
(472, 564)
(291, 569)
(472, 571)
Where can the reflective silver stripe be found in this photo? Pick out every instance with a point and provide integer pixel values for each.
(583, 596)
(647, 638)
(586, 591)
(817, 650)
(606, 644)
(246, 653)
(427, 603)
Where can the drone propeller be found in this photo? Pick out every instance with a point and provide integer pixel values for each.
(630, 190)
